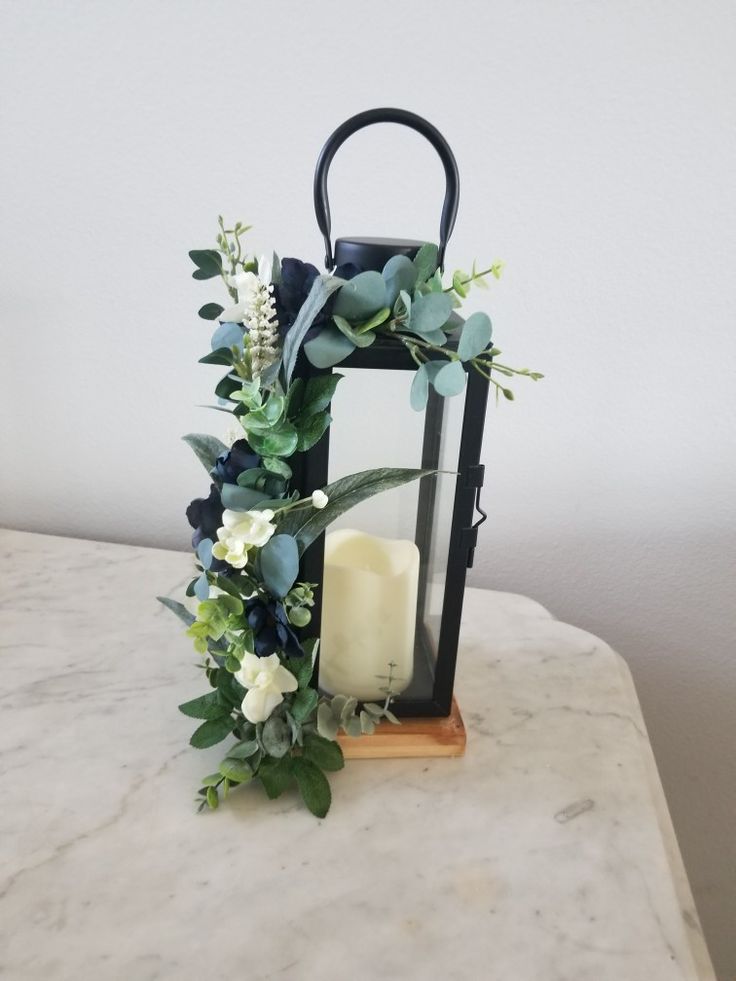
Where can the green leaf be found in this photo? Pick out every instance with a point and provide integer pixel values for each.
(476, 336)
(281, 442)
(322, 288)
(237, 498)
(399, 273)
(328, 348)
(450, 379)
(273, 465)
(318, 393)
(361, 297)
(276, 775)
(344, 494)
(206, 448)
(375, 321)
(236, 770)
(276, 737)
(243, 750)
(206, 706)
(294, 397)
(324, 752)
(305, 702)
(210, 311)
(460, 283)
(425, 262)
(429, 312)
(212, 780)
(226, 386)
(359, 340)
(280, 564)
(303, 667)
(223, 355)
(178, 609)
(212, 732)
(313, 786)
(212, 799)
(208, 263)
(311, 430)
(327, 724)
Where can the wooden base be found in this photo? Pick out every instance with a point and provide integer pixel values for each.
(413, 738)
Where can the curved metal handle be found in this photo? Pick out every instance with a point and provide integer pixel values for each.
(405, 118)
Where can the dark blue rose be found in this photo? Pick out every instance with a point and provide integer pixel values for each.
(271, 629)
(205, 516)
(231, 464)
(296, 281)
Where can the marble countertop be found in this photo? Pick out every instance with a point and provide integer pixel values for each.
(546, 852)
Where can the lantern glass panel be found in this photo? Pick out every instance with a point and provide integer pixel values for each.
(375, 427)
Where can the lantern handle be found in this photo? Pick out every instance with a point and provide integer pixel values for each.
(405, 118)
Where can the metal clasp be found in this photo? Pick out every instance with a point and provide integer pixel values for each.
(474, 479)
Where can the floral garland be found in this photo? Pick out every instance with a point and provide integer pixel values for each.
(251, 530)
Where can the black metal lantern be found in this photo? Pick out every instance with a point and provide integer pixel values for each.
(443, 515)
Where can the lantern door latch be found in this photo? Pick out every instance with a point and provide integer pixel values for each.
(474, 480)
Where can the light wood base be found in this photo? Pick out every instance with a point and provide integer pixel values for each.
(413, 738)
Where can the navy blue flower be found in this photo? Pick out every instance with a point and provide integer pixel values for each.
(296, 281)
(271, 629)
(205, 516)
(231, 464)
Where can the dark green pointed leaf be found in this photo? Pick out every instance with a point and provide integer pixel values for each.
(276, 776)
(207, 706)
(324, 752)
(223, 355)
(313, 786)
(212, 732)
(280, 564)
(208, 263)
(305, 702)
(318, 393)
(311, 430)
(206, 448)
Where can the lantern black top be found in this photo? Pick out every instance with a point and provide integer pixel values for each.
(373, 253)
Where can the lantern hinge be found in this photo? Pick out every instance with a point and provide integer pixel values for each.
(474, 480)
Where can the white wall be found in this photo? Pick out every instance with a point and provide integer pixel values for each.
(597, 149)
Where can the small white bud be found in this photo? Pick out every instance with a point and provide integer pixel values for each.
(319, 500)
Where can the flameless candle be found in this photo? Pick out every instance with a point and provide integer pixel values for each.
(369, 610)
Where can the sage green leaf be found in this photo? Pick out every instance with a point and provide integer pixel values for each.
(375, 321)
(425, 262)
(419, 392)
(208, 263)
(364, 339)
(398, 274)
(178, 609)
(318, 393)
(311, 430)
(327, 724)
(243, 750)
(237, 498)
(328, 348)
(280, 564)
(344, 494)
(324, 752)
(212, 732)
(210, 311)
(476, 336)
(236, 770)
(212, 780)
(273, 465)
(305, 702)
(206, 706)
(429, 312)
(353, 728)
(322, 288)
(313, 786)
(367, 724)
(450, 379)
(276, 737)
(276, 776)
(206, 448)
(227, 335)
(361, 297)
(280, 442)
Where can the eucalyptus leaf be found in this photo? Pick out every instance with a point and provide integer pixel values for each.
(236, 770)
(450, 379)
(202, 588)
(276, 737)
(322, 288)
(327, 724)
(361, 297)
(273, 465)
(210, 311)
(344, 494)
(429, 312)
(398, 274)
(243, 750)
(208, 263)
(364, 339)
(178, 609)
(313, 786)
(280, 442)
(328, 348)
(206, 448)
(280, 564)
(375, 321)
(419, 392)
(475, 337)
(425, 262)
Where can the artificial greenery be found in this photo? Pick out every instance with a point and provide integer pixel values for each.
(252, 529)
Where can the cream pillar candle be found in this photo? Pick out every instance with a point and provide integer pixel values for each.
(369, 609)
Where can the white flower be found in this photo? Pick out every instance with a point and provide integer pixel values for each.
(241, 531)
(319, 500)
(247, 286)
(265, 269)
(266, 679)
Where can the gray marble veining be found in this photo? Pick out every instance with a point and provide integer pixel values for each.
(545, 853)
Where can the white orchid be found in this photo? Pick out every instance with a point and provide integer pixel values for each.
(266, 680)
(241, 531)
